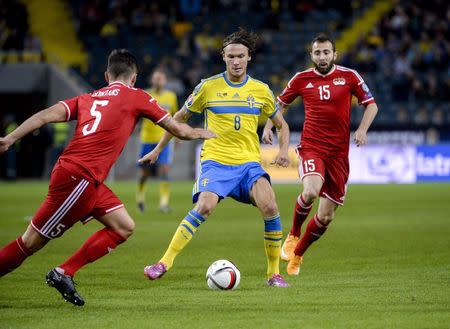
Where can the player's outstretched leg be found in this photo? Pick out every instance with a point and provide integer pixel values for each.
(301, 212)
(272, 244)
(181, 238)
(264, 198)
(119, 226)
(65, 285)
(96, 246)
(314, 230)
(13, 255)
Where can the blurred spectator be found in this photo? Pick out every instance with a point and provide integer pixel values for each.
(438, 116)
(185, 46)
(421, 116)
(432, 136)
(402, 116)
(207, 43)
(401, 82)
(109, 30)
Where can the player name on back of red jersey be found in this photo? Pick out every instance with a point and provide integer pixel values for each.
(99, 93)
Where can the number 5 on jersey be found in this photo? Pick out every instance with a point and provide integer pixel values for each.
(98, 116)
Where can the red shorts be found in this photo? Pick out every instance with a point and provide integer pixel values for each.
(334, 172)
(72, 198)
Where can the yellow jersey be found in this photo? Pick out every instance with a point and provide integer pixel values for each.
(150, 132)
(231, 111)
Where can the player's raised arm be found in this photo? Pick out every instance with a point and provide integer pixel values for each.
(55, 113)
(267, 136)
(282, 159)
(360, 136)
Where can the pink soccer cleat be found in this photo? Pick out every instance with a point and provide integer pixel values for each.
(277, 281)
(155, 271)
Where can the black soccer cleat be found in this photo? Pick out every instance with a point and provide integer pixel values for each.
(141, 207)
(65, 285)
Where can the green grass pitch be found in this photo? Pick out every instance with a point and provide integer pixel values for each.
(384, 263)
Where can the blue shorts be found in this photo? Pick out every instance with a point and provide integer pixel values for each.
(165, 157)
(225, 180)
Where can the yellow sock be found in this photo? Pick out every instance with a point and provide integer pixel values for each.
(164, 193)
(272, 244)
(140, 194)
(182, 236)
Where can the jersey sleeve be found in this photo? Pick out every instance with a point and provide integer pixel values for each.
(290, 93)
(71, 106)
(148, 107)
(196, 102)
(174, 104)
(268, 108)
(360, 90)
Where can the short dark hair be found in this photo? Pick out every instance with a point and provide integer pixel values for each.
(121, 63)
(243, 37)
(324, 38)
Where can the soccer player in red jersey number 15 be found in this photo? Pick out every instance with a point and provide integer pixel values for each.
(327, 91)
(105, 120)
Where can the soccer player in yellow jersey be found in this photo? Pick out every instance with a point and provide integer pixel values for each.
(232, 103)
(150, 136)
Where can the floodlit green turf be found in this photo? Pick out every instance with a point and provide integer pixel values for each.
(384, 263)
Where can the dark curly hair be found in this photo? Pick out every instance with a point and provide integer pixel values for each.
(243, 37)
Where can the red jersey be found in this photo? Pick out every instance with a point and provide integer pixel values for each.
(327, 101)
(106, 119)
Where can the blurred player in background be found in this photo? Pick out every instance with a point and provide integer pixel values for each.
(231, 103)
(150, 135)
(106, 118)
(327, 91)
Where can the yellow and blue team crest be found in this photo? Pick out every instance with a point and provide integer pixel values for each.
(250, 101)
(189, 100)
(205, 181)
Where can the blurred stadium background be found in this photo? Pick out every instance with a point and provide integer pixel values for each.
(384, 263)
(51, 50)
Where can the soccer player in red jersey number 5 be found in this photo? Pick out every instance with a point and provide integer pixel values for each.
(106, 118)
(327, 91)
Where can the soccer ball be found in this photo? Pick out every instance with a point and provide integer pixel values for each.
(223, 274)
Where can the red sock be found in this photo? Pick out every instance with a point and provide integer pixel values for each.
(313, 232)
(12, 255)
(97, 245)
(301, 212)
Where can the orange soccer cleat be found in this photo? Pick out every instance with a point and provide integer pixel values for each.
(287, 250)
(293, 267)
